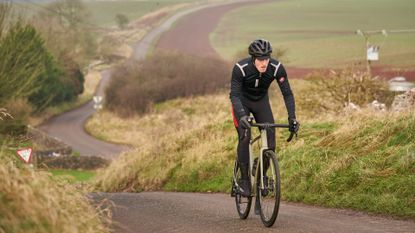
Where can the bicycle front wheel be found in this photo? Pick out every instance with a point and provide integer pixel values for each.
(268, 196)
(243, 204)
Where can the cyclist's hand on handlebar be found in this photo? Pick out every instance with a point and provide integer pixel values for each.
(294, 125)
(245, 122)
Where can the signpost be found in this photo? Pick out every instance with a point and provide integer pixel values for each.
(372, 51)
(97, 102)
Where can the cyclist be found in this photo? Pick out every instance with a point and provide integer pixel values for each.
(251, 78)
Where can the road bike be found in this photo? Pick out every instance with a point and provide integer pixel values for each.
(265, 178)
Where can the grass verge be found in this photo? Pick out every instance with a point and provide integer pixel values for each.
(34, 201)
(73, 176)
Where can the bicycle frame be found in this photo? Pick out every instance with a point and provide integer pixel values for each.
(264, 147)
(266, 203)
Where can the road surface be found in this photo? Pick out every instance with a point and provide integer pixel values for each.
(196, 212)
(69, 128)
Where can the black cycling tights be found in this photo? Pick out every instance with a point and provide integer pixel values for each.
(261, 110)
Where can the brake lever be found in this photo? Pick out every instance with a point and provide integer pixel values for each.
(291, 136)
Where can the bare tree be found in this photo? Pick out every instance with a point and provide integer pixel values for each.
(121, 20)
(66, 29)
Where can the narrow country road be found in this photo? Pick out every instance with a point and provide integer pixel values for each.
(69, 128)
(195, 212)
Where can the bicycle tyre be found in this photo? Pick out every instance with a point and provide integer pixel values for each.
(243, 204)
(271, 194)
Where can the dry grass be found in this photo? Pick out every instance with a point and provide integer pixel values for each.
(175, 133)
(32, 201)
(335, 90)
(4, 114)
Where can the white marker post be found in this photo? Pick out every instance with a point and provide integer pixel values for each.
(97, 102)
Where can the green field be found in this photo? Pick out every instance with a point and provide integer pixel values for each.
(74, 175)
(104, 12)
(320, 33)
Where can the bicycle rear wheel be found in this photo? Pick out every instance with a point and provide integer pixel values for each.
(243, 204)
(269, 196)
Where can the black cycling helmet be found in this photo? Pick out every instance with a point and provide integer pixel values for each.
(260, 48)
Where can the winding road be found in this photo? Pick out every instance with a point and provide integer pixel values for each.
(69, 128)
(196, 212)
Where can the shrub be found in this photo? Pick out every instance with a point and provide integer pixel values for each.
(136, 87)
(19, 109)
(335, 90)
(28, 70)
(121, 20)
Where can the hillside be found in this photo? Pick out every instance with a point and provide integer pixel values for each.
(362, 160)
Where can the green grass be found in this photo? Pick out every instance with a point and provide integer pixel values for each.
(74, 175)
(319, 33)
(368, 166)
(104, 12)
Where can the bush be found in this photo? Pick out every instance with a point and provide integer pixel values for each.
(335, 90)
(28, 70)
(121, 20)
(136, 87)
(16, 123)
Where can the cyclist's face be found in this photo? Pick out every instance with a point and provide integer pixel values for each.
(261, 64)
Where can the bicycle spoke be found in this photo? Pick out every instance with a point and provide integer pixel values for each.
(269, 195)
(243, 204)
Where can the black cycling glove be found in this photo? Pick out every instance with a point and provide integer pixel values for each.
(244, 121)
(294, 125)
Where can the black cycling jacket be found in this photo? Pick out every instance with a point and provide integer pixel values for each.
(248, 83)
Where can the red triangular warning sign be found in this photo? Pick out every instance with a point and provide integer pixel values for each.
(25, 154)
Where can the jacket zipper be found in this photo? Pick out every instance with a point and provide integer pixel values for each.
(257, 80)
